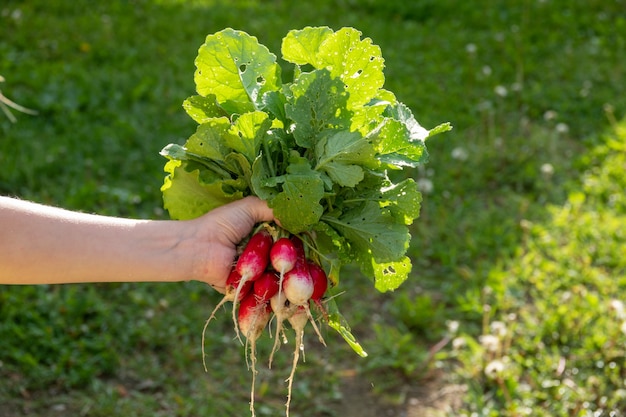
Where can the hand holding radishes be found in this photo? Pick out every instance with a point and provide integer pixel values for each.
(215, 236)
(323, 151)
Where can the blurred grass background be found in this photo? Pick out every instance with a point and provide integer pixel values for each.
(515, 306)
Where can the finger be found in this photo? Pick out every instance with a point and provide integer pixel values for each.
(257, 209)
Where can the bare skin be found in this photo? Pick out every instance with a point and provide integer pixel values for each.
(46, 245)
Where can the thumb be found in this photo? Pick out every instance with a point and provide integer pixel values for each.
(257, 209)
(239, 217)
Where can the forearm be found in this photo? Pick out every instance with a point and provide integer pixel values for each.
(40, 244)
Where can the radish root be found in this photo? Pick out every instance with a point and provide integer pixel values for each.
(240, 285)
(298, 321)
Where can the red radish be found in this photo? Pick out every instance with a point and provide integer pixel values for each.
(298, 288)
(298, 285)
(320, 281)
(255, 256)
(233, 278)
(265, 286)
(320, 285)
(281, 305)
(232, 282)
(299, 246)
(251, 264)
(283, 255)
(253, 317)
(298, 321)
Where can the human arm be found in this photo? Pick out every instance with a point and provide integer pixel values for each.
(47, 245)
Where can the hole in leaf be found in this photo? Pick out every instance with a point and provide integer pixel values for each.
(242, 68)
(389, 270)
(260, 80)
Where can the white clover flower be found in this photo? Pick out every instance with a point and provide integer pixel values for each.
(490, 342)
(16, 15)
(458, 343)
(562, 128)
(501, 91)
(471, 48)
(618, 307)
(453, 326)
(550, 115)
(425, 185)
(460, 154)
(547, 169)
(498, 328)
(494, 369)
(486, 70)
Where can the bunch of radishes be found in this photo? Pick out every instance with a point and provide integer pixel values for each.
(273, 274)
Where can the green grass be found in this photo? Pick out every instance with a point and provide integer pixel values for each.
(520, 238)
(552, 333)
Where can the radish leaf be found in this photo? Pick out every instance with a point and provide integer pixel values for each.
(211, 139)
(318, 105)
(341, 156)
(356, 61)
(301, 47)
(369, 230)
(201, 109)
(340, 324)
(186, 196)
(248, 132)
(297, 205)
(390, 275)
(234, 67)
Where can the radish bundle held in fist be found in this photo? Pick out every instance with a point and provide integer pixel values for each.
(321, 149)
